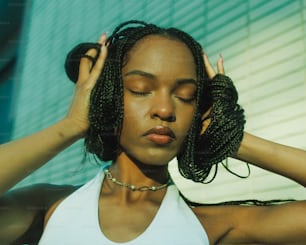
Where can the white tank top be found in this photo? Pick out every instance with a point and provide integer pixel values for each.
(75, 221)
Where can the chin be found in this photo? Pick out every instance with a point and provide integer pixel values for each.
(150, 155)
(155, 161)
(152, 158)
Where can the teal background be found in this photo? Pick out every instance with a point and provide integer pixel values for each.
(262, 42)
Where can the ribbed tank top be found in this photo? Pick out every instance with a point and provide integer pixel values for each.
(75, 221)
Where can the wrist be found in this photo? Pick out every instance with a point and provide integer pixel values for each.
(243, 147)
(253, 149)
(70, 129)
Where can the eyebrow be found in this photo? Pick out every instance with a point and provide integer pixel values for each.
(179, 81)
(182, 81)
(140, 73)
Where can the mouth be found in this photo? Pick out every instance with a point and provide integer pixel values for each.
(160, 135)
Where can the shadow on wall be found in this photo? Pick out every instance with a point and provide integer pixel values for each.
(11, 15)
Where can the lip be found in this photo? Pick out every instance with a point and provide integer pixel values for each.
(160, 135)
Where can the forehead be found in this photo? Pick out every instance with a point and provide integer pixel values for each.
(159, 54)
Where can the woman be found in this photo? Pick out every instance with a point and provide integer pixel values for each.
(144, 96)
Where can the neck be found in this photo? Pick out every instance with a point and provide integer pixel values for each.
(138, 174)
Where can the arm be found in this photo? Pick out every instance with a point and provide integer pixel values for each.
(284, 160)
(21, 157)
(21, 210)
(275, 224)
(280, 159)
(279, 224)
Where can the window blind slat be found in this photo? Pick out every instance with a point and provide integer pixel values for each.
(263, 43)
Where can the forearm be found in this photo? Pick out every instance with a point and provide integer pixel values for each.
(21, 157)
(284, 160)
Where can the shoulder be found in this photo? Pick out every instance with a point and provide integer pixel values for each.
(235, 224)
(25, 209)
(61, 195)
(39, 196)
(216, 221)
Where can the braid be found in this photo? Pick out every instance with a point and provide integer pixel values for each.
(199, 152)
(224, 134)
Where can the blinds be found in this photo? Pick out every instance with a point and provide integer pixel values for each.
(262, 42)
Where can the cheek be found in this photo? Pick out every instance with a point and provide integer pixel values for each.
(184, 119)
(133, 117)
(134, 113)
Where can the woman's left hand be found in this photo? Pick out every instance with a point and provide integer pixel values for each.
(206, 120)
(209, 68)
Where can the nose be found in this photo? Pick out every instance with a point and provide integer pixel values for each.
(163, 107)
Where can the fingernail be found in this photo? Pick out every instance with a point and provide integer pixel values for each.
(221, 57)
(102, 37)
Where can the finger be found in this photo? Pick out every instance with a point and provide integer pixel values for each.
(220, 66)
(208, 67)
(206, 120)
(205, 125)
(206, 114)
(86, 63)
(98, 67)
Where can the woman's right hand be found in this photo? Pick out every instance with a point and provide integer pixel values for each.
(88, 75)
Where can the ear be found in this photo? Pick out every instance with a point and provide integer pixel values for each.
(206, 120)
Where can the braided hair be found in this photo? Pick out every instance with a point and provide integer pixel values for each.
(199, 153)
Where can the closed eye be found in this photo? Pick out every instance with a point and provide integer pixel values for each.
(187, 100)
(138, 93)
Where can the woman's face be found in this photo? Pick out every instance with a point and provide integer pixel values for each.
(159, 82)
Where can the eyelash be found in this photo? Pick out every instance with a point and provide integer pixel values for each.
(139, 93)
(187, 101)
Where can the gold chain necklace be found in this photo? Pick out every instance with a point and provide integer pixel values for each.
(109, 176)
